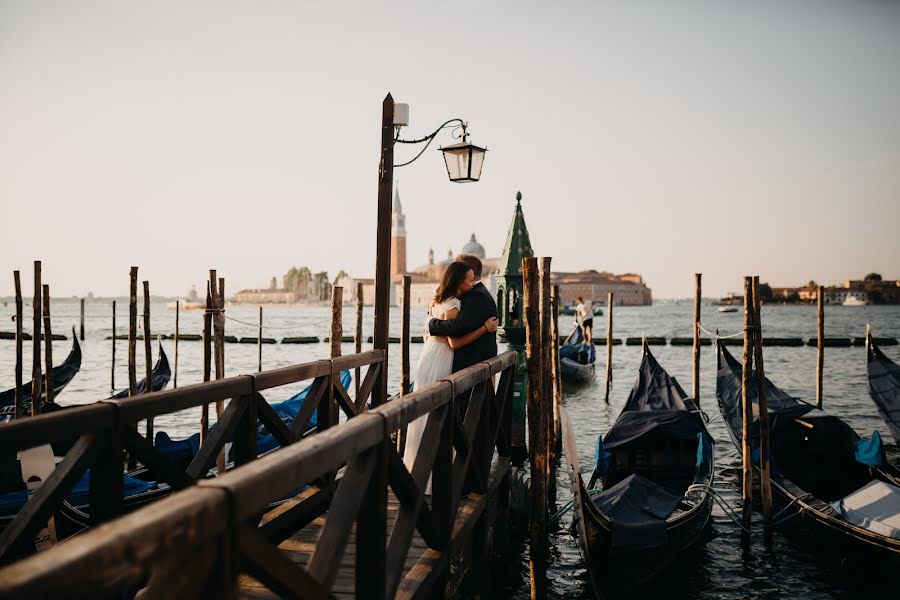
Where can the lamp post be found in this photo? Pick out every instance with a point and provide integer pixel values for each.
(463, 161)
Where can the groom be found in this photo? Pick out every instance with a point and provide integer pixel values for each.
(477, 307)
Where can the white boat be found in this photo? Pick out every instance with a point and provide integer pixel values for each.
(727, 309)
(853, 301)
(191, 303)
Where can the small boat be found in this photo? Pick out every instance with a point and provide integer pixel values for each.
(884, 386)
(853, 301)
(822, 471)
(62, 375)
(570, 311)
(648, 500)
(576, 358)
(727, 309)
(159, 377)
(192, 302)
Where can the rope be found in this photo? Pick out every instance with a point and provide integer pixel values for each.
(291, 326)
(721, 501)
(721, 337)
(555, 517)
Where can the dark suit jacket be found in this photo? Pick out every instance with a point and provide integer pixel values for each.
(477, 307)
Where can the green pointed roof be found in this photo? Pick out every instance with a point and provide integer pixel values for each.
(518, 244)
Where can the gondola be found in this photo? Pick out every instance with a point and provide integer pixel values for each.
(884, 386)
(62, 375)
(576, 358)
(159, 378)
(649, 498)
(822, 472)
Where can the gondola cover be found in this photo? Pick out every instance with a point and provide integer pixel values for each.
(884, 387)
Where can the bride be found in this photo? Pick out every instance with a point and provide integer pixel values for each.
(436, 360)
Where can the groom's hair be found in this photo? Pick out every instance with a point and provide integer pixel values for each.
(473, 262)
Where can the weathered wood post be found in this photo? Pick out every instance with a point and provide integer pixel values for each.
(609, 344)
(148, 355)
(747, 405)
(383, 247)
(81, 332)
(219, 347)
(548, 384)
(19, 335)
(132, 333)
(48, 345)
(820, 343)
(696, 361)
(404, 338)
(177, 335)
(37, 376)
(762, 400)
(221, 317)
(207, 360)
(557, 378)
(357, 340)
(112, 369)
(536, 445)
(337, 333)
(259, 342)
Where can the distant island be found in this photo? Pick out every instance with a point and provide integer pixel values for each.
(871, 289)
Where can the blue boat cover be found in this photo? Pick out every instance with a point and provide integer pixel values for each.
(602, 457)
(577, 350)
(870, 451)
(884, 387)
(637, 509)
(12, 502)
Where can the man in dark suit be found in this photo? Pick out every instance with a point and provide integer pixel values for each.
(477, 307)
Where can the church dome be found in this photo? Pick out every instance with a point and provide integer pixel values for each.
(474, 248)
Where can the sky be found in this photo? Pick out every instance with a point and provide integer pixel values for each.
(662, 138)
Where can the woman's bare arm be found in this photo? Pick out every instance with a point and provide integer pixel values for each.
(464, 340)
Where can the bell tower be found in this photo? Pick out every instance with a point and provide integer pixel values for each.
(398, 236)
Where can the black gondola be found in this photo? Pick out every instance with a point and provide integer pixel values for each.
(817, 467)
(654, 474)
(159, 377)
(884, 386)
(62, 375)
(576, 358)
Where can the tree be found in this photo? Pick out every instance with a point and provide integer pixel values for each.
(872, 277)
(812, 285)
(765, 291)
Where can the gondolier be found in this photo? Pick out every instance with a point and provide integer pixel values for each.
(585, 316)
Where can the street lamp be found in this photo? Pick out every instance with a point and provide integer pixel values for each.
(464, 162)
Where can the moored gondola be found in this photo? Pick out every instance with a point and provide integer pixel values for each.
(884, 385)
(822, 471)
(653, 478)
(159, 377)
(576, 358)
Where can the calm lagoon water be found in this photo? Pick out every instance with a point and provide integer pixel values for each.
(717, 569)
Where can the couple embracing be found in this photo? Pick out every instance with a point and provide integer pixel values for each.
(462, 327)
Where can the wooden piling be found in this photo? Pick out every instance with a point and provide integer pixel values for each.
(37, 376)
(48, 345)
(557, 378)
(696, 359)
(548, 429)
(609, 344)
(358, 339)
(81, 331)
(820, 343)
(148, 355)
(132, 333)
(747, 405)
(536, 445)
(337, 334)
(17, 394)
(762, 401)
(259, 342)
(221, 316)
(207, 360)
(404, 338)
(112, 368)
(219, 349)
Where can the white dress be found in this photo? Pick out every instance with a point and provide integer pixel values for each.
(435, 362)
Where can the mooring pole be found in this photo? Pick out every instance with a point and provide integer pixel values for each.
(557, 381)
(404, 338)
(696, 360)
(219, 347)
(609, 344)
(747, 405)
(207, 360)
(337, 334)
(259, 342)
(357, 339)
(19, 335)
(148, 355)
(81, 333)
(536, 446)
(132, 333)
(48, 345)
(548, 428)
(177, 335)
(383, 247)
(112, 368)
(762, 400)
(37, 375)
(820, 344)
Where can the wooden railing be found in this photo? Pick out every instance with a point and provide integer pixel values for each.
(197, 542)
(102, 431)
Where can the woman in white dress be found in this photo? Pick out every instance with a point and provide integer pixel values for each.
(436, 360)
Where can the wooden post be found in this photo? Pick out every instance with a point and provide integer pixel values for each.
(148, 355)
(177, 334)
(820, 343)
(696, 363)
(221, 316)
(609, 344)
(337, 323)
(557, 378)
(48, 345)
(547, 368)
(132, 334)
(259, 342)
(207, 360)
(19, 335)
(762, 400)
(81, 332)
(536, 445)
(383, 282)
(218, 347)
(37, 376)
(747, 404)
(404, 338)
(359, 328)
(112, 369)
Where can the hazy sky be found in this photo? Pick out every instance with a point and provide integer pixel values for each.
(662, 138)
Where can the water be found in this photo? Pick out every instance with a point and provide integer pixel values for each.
(717, 569)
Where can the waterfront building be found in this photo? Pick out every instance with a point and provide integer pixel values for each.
(628, 289)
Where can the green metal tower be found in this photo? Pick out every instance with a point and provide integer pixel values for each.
(510, 302)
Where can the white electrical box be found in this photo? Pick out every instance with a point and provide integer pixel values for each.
(401, 115)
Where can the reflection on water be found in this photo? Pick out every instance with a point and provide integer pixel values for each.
(717, 569)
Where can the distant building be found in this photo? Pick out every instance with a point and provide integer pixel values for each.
(628, 289)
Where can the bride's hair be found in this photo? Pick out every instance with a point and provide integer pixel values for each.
(453, 277)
